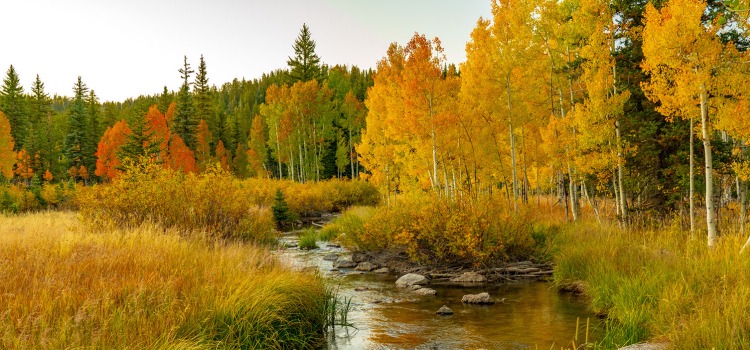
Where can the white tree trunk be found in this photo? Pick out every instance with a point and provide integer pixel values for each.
(692, 182)
(710, 215)
(512, 152)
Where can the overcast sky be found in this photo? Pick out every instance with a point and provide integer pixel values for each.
(126, 48)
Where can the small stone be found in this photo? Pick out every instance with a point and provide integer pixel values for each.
(470, 277)
(359, 257)
(480, 299)
(425, 291)
(411, 279)
(331, 257)
(344, 264)
(382, 270)
(444, 310)
(366, 266)
(415, 287)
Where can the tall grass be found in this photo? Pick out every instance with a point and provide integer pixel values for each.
(64, 286)
(660, 285)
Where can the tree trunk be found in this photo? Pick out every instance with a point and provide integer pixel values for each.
(512, 152)
(691, 195)
(710, 215)
(351, 155)
(620, 185)
(278, 149)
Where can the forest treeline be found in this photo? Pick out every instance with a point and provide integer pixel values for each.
(80, 138)
(587, 99)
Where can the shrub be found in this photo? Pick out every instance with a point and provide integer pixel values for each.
(441, 231)
(210, 202)
(308, 239)
(280, 209)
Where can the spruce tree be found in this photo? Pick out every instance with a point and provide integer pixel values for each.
(76, 141)
(133, 149)
(185, 121)
(202, 98)
(39, 102)
(13, 104)
(305, 65)
(95, 130)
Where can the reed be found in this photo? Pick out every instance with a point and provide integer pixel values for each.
(68, 286)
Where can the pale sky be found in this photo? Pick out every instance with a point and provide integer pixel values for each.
(127, 48)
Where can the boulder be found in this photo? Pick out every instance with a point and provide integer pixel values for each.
(359, 257)
(480, 299)
(411, 279)
(331, 257)
(425, 291)
(415, 287)
(382, 270)
(366, 266)
(344, 264)
(444, 310)
(470, 277)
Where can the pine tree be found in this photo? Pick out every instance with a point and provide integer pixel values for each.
(138, 145)
(305, 65)
(13, 104)
(95, 130)
(184, 122)
(39, 102)
(76, 141)
(202, 97)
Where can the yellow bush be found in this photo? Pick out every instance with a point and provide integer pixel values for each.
(210, 202)
(437, 230)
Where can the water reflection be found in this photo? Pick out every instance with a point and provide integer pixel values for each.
(532, 315)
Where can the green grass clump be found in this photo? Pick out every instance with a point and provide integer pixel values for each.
(308, 239)
(659, 285)
(67, 287)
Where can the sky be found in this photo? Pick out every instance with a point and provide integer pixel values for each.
(127, 48)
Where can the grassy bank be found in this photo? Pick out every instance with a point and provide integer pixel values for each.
(65, 286)
(660, 285)
(434, 230)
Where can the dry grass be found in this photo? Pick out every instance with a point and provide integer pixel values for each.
(64, 286)
(661, 285)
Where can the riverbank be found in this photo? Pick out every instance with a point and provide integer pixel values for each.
(659, 285)
(66, 285)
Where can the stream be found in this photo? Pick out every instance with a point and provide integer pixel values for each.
(533, 314)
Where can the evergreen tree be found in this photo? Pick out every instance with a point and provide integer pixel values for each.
(95, 130)
(305, 65)
(13, 104)
(138, 143)
(165, 99)
(39, 102)
(202, 98)
(77, 139)
(185, 121)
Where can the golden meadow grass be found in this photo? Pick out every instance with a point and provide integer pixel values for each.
(67, 286)
(659, 285)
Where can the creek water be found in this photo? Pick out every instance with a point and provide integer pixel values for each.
(533, 316)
